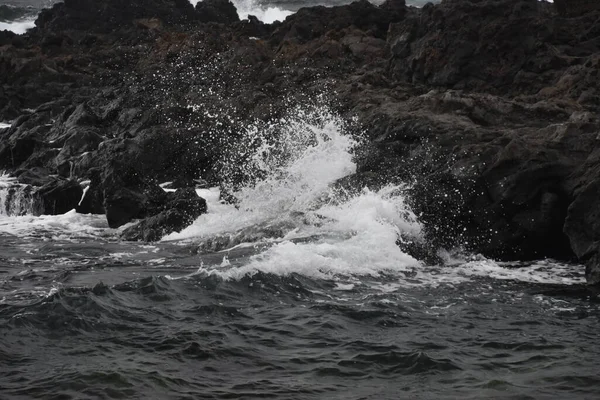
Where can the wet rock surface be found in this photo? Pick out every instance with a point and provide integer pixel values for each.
(59, 196)
(180, 210)
(490, 107)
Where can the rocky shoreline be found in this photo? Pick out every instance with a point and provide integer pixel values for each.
(491, 108)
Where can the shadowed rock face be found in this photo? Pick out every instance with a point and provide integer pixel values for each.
(104, 16)
(180, 210)
(575, 7)
(489, 106)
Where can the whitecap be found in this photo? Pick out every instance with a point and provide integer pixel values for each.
(266, 14)
(289, 210)
(18, 27)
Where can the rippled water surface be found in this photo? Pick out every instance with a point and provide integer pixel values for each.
(105, 319)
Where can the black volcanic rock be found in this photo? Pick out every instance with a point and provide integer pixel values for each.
(17, 146)
(59, 196)
(106, 15)
(489, 108)
(222, 11)
(583, 227)
(500, 46)
(313, 22)
(128, 196)
(123, 205)
(180, 210)
(35, 176)
(155, 227)
(7, 37)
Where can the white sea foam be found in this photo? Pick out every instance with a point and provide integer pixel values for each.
(5, 183)
(16, 198)
(467, 266)
(18, 27)
(266, 14)
(68, 226)
(290, 220)
(287, 203)
(543, 271)
(357, 238)
(297, 172)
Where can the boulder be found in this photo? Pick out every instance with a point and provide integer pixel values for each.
(59, 196)
(583, 229)
(123, 205)
(181, 209)
(6, 37)
(154, 228)
(222, 11)
(124, 202)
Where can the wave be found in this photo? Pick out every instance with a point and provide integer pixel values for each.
(18, 27)
(289, 216)
(289, 211)
(69, 226)
(266, 13)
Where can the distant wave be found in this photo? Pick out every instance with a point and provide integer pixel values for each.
(266, 13)
(18, 27)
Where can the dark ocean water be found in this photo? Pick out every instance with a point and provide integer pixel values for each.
(33, 5)
(96, 319)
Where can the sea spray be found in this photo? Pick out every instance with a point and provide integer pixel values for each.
(267, 14)
(288, 164)
(18, 27)
(280, 175)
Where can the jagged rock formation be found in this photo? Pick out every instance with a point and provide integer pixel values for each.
(490, 106)
(575, 7)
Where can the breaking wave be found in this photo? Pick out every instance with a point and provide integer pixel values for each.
(18, 27)
(266, 13)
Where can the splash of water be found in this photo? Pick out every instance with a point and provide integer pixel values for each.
(17, 199)
(286, 206)
(288, 165)
(18, 27)
(266, 14)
